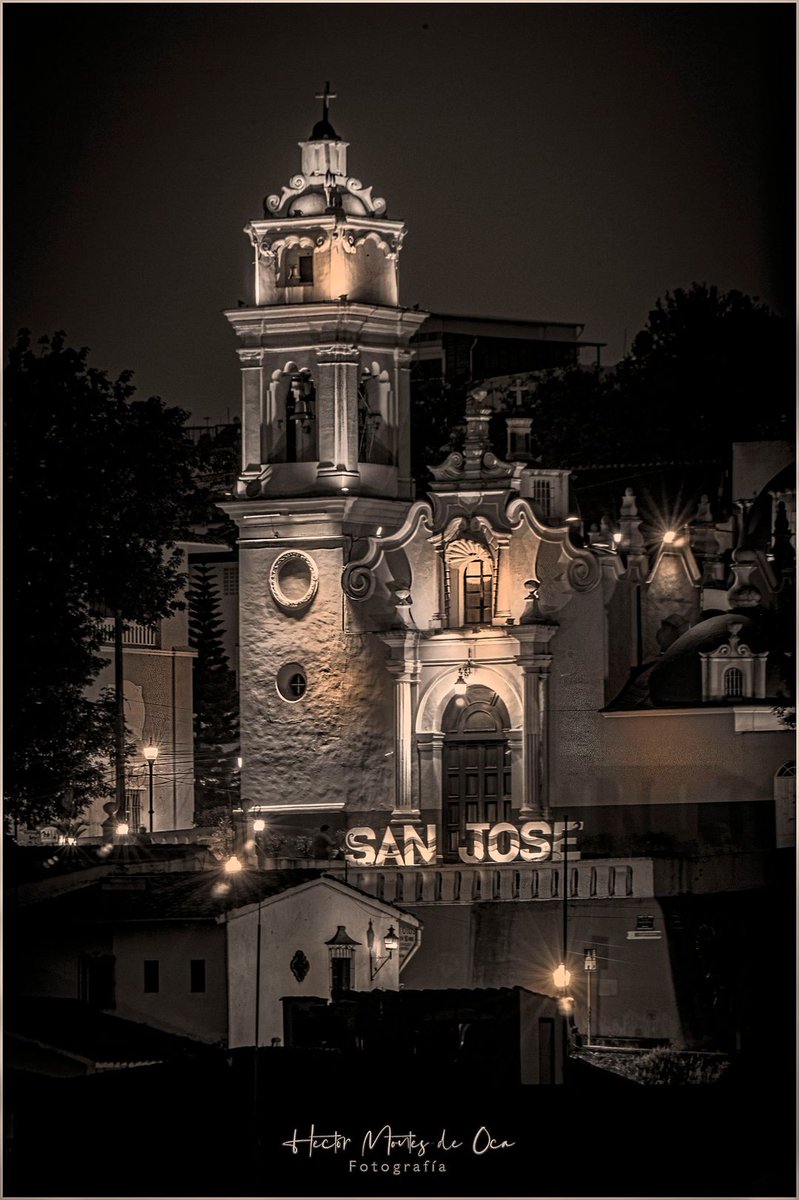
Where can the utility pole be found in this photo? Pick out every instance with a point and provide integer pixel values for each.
(565, 887)
(119, 722)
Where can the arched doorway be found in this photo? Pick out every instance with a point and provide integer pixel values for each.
(476, 769)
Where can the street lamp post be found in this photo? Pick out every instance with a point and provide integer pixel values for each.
(589, 962)
(562, 976)
(150, 753)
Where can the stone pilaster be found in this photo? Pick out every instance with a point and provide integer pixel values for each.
(502, 599)
(252, 414)
(337, 408)
(404, 666)
(431, 754)
(535, 660)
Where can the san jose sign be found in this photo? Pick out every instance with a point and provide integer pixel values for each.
(413, 846)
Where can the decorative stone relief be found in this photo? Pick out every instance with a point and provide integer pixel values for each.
(297, 185)
(358, 578)
(299, 966)
(297, 596)
(573, 570)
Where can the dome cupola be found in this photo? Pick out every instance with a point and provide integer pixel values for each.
(323, 185)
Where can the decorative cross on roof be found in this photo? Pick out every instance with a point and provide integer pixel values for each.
(326, 96)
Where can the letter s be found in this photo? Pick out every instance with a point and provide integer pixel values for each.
(357, 848)
(542, 845)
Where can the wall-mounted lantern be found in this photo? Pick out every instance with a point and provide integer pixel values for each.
(390, 944)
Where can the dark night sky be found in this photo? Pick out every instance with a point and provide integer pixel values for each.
(562, 162)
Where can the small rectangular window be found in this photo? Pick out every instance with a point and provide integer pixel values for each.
(151, 974)
(542, 494)
(133, 806)
(306, 268)
(198, 974)
(230, 581)
(340, 974)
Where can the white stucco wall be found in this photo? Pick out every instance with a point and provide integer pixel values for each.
(303, 919)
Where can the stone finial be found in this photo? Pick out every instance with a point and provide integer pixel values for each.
(743, 592)
(477, 442)
(477, 462)
(784, 555)
(630, 524)
(532, 612)
(628, 505)
(703, 513)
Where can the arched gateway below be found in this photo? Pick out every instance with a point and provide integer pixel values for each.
(476, 772)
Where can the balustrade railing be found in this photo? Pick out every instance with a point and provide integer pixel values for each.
(464, 883)
(132, 634)
(587, 880)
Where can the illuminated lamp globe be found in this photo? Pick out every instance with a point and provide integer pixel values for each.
(561, 976)
(232, 865)
(259, 825)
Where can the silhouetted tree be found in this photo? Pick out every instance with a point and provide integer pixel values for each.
(216, 729)
(709, 368)
(100, 487)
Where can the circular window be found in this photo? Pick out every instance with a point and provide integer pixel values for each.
(292, 682)
(293, 579)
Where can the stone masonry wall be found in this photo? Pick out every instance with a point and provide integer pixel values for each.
(334, 744)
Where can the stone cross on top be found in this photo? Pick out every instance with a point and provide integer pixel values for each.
(326, 96)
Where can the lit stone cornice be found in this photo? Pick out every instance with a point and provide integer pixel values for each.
(329, 516)
(266, 235)
(324, 323)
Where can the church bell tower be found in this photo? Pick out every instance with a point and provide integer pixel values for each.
(325, 368)
(324, 349)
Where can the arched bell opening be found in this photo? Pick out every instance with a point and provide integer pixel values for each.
(294, 416)
(477, 775)
(376, 426)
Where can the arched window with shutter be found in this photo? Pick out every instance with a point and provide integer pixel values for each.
(477, 590)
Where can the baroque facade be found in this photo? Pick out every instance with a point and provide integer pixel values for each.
(500, 716)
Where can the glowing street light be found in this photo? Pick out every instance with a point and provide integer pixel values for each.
(233, 865)
(150, 754)
(259, 825)
(561, 976)
(123, 829)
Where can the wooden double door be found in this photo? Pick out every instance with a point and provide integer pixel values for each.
(477, 787)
